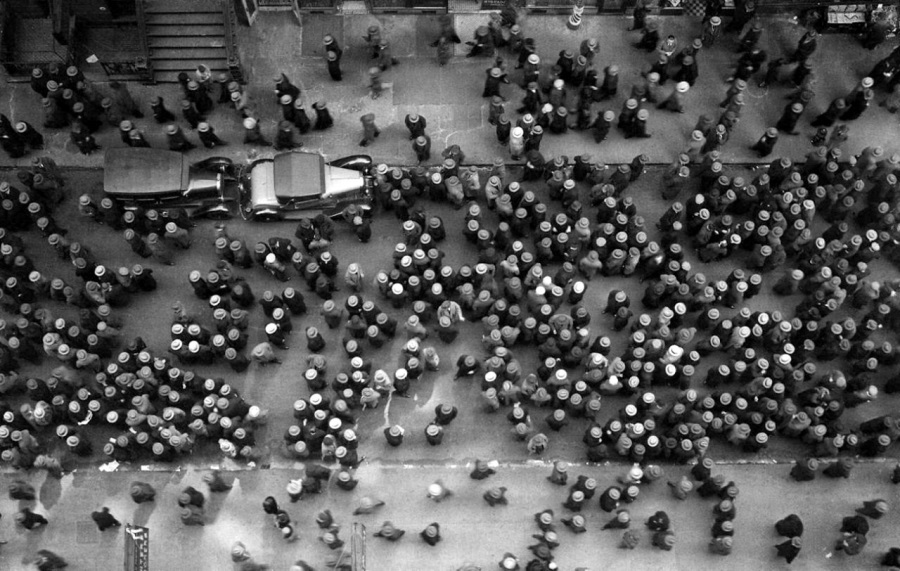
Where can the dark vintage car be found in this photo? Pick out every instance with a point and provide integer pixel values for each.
(156, 178)
(288, 186)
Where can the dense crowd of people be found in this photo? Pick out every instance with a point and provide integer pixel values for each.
(534, 256)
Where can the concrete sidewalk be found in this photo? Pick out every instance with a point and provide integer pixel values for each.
(472, 532)
(449, 97)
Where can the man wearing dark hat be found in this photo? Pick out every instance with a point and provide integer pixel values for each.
(104, 519)
(482, 44)
(649, 37)
(373, 38)
(30, 520)
(80, 136)
(805, 47)
(123, 99)
(385, 57)
(790, 526)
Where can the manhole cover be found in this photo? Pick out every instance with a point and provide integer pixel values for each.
(86, 532)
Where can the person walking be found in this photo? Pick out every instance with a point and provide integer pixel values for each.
(766, 143)
(104, 519)
(208, 136)
(253, 134)
(416, 125)
(370, 130)
(177, 140)
(333, 53)
(790, 549)
(323, 116)
(376, 87)
(422, 147)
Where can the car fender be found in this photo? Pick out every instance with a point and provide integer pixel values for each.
(361, 163)
(219, 164)
(213, 211)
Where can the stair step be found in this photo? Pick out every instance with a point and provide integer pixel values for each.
(181, 6)
(27, 8)
(165, 76)
(177, 65)
(188, 53)
(215, 18)
(166, 42)
(185, 31)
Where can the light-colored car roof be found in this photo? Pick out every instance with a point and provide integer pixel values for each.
(144, 172)
(299, 175)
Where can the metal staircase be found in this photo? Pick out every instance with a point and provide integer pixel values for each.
(181, 34)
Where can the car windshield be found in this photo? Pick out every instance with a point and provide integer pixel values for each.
(299, 176)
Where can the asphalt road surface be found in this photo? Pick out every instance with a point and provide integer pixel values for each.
(400, 475)
(475, 434)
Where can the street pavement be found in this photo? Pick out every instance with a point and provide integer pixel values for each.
(400, 475)
(472, 531)
(450, 99)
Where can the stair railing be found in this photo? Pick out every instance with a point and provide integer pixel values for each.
(231, 52)
(143, 64)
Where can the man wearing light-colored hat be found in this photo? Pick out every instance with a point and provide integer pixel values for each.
(675, 101)
(766, 143)
(177, 140)
(208, 136)
(252, 133)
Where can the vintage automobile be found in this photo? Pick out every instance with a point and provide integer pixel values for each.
(156, 178)
(289, 186)
(296, 185)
